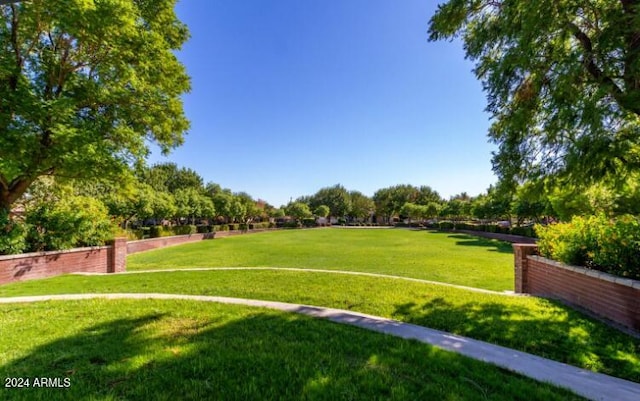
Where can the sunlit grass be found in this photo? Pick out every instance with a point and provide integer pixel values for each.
(184, 350)
(446, 257)
(529, 324)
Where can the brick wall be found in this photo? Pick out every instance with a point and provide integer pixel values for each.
(153, 243)
(614, 298)
(39, 265)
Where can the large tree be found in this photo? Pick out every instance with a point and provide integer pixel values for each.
(335, 197)
(83, 85)
(562, 79)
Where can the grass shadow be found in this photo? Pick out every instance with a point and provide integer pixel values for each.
(256, 356)
(564, 335)
(492, 244)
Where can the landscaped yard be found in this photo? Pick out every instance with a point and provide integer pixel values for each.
(181, 350)
(129, 348)
(446, 257)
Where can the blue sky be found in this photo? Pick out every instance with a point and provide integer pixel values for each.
(289, 96)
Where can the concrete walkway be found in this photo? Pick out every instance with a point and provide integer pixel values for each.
(588, 384)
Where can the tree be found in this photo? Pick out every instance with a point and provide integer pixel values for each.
(389, 201)
(168, 177)
(322, 211)
(83, 85)
(562, 79)
(336, 198)
(414, 211)
(299, 210)
(362, 207)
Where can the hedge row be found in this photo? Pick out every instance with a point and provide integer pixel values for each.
(596, 242)
(167, 231)
(490, 228)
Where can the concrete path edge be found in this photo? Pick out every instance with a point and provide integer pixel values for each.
(591, 385)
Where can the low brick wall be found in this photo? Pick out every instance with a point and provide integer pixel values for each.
(613, 298)
(105, 259)
(153, 243)
(502, 237)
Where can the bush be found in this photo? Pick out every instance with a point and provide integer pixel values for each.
(155, 231)
(72, 222)
(595, 242)
(184, 230)
(523, 231)
(310, 222)
(204, 229)
(445, 225)
(13, 235)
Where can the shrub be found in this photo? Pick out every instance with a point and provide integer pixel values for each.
(184, 230)
(523, 231)
(203, 229)
(13, 235)
(71, 222)
(445, 225)
(618, 247)
(595, 242)
(155, 231)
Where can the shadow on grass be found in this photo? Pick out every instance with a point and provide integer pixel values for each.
(563, 335)
(264, 356)
(492, 245)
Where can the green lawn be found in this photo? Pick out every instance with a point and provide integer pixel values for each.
(529, 324)
(182, 350)
(451, 258)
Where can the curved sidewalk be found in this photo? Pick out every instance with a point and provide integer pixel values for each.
(594, 386)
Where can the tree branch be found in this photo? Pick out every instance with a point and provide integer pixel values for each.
(632, 44)
(605, 81)
(13, 79)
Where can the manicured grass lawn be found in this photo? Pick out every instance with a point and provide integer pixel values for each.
(181, 350)
(529, 324)
(446, 257)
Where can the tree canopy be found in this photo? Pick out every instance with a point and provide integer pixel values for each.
(83, 85)
(562, 79)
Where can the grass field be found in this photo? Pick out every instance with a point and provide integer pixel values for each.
(186, 350)
(451, 258)
(528, 324)
(181, 350)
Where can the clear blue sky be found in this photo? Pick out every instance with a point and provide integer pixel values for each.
(289, 96)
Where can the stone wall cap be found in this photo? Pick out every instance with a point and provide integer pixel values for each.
(52, 253)
(627, 282)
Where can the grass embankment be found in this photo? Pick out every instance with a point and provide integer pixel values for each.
(528, 324)
(446, 257)
(181, 350)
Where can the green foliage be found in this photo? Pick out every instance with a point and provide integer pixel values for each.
(414, 211)
(322, 211)
(610, 245)
(70, 222)
(389, 201)
(168, 177)
(184, 230)
(336, 198)
(298, 210)
(561, 78)
(362, 207)
(12, 235)
(84, 85)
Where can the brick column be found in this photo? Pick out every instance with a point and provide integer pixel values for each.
(118, 257)
(520, 253)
